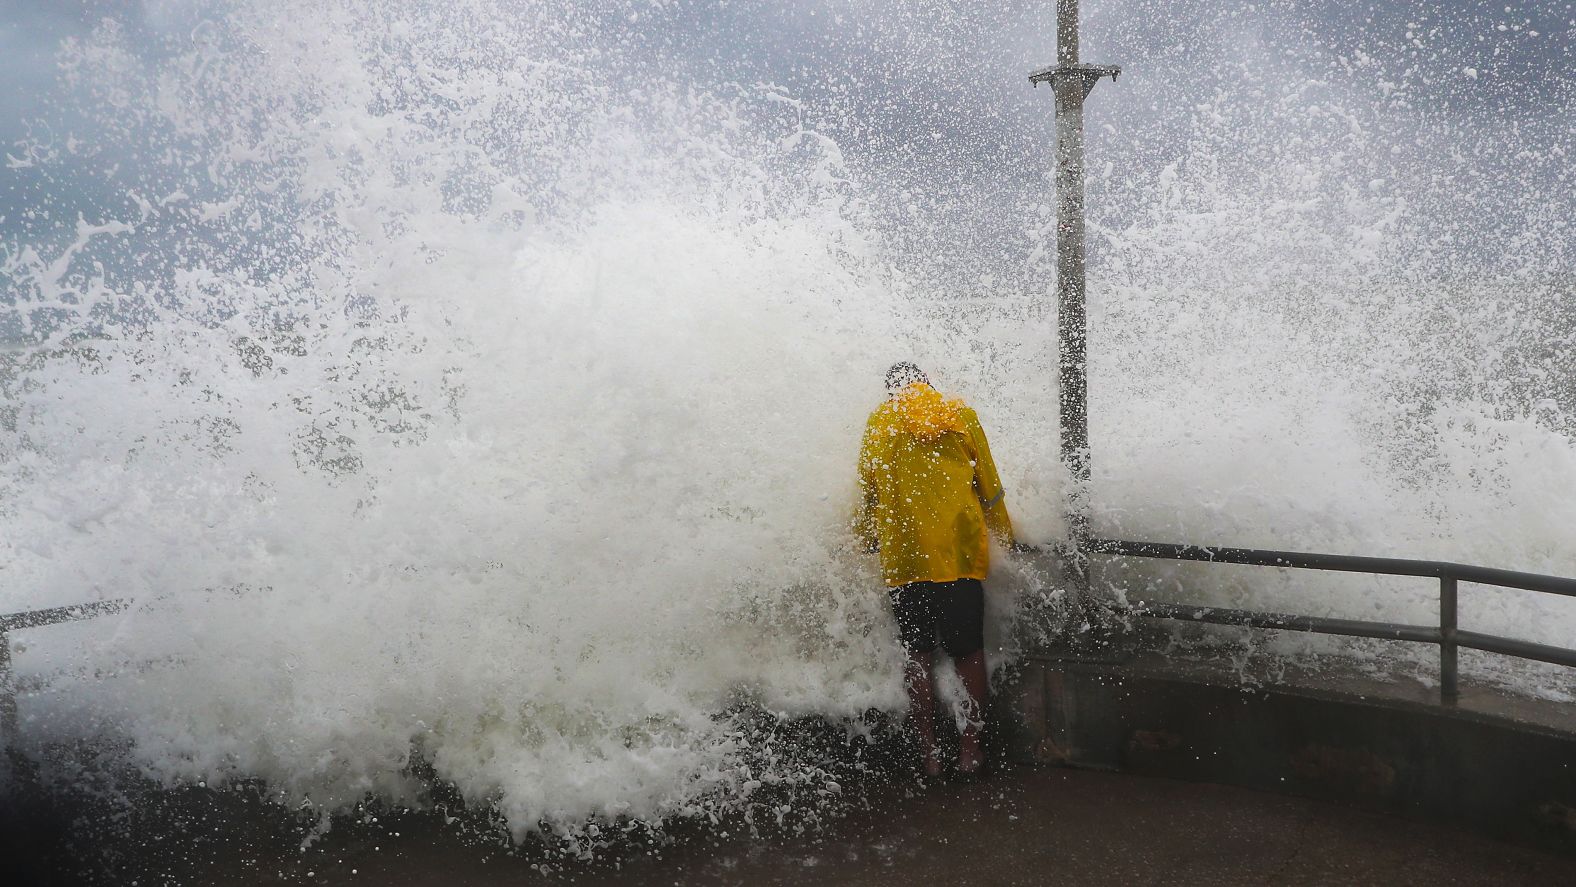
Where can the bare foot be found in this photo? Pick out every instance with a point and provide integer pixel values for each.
(932, 764)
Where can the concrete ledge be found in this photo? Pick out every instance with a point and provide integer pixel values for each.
(1498, 765)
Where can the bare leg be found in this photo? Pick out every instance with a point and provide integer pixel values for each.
(922, 709)
(971, 668)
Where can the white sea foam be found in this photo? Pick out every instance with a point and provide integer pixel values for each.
(452, 378)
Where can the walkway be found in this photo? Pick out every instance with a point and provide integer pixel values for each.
(1024, 826)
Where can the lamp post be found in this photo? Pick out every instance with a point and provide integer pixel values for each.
(1071, 83)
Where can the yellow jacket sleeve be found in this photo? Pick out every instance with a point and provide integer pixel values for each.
(987, 483)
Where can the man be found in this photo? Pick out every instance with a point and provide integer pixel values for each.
(931, 501)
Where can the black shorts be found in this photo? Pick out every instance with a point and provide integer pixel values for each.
(954, 610)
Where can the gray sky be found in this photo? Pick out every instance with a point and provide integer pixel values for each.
(934, 96)
(1521, 49)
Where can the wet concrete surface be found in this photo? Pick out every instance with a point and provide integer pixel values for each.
(1022, 826)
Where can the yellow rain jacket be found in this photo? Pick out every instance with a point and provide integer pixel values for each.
(930, 489)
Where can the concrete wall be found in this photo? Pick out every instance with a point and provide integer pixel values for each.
(1510, 773)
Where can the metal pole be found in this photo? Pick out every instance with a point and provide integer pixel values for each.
(1071, 82)
(1449, 687)
(1066, 33)
(1072, 327)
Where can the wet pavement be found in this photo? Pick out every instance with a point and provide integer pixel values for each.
(1022, 826)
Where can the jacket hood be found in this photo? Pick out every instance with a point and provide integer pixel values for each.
(923, 412)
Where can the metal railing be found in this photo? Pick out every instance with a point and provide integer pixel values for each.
(1446, 634)
(37, 619)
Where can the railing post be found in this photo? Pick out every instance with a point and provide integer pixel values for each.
(1449, 689)
(8, 734)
